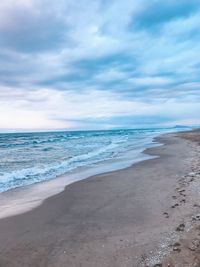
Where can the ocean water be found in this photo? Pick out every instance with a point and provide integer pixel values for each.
(28, 158)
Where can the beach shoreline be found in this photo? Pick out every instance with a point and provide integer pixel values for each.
(125, 218)
(25, 198)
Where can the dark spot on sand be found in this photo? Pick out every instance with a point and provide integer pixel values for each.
(177, 249)
(166, 214)
(177, 244)
(196, 218)
(180, 228)
(175, 205)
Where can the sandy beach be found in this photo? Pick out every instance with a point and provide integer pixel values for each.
(144, 215)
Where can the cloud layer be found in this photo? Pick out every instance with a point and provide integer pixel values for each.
(99, 64)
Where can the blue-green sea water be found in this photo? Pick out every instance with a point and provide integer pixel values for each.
(27, 158)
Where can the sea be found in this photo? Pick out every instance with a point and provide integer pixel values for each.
(28, 158)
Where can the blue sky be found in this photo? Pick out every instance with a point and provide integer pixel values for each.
(99, 64)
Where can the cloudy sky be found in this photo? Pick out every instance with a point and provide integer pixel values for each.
(99, 64)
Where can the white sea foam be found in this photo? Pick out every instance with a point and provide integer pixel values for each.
(30, 158)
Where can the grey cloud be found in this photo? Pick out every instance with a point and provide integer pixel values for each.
(29, 31)
(82, 46)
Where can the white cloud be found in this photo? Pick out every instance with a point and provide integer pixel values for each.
(36, 88)
(48, 108)
(150, 81)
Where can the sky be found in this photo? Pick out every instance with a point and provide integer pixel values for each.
(99, 64)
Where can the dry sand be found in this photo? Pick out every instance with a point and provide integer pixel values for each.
(144, 215)
(186, 251)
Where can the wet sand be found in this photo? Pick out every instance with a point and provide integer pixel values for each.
(131, 217)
